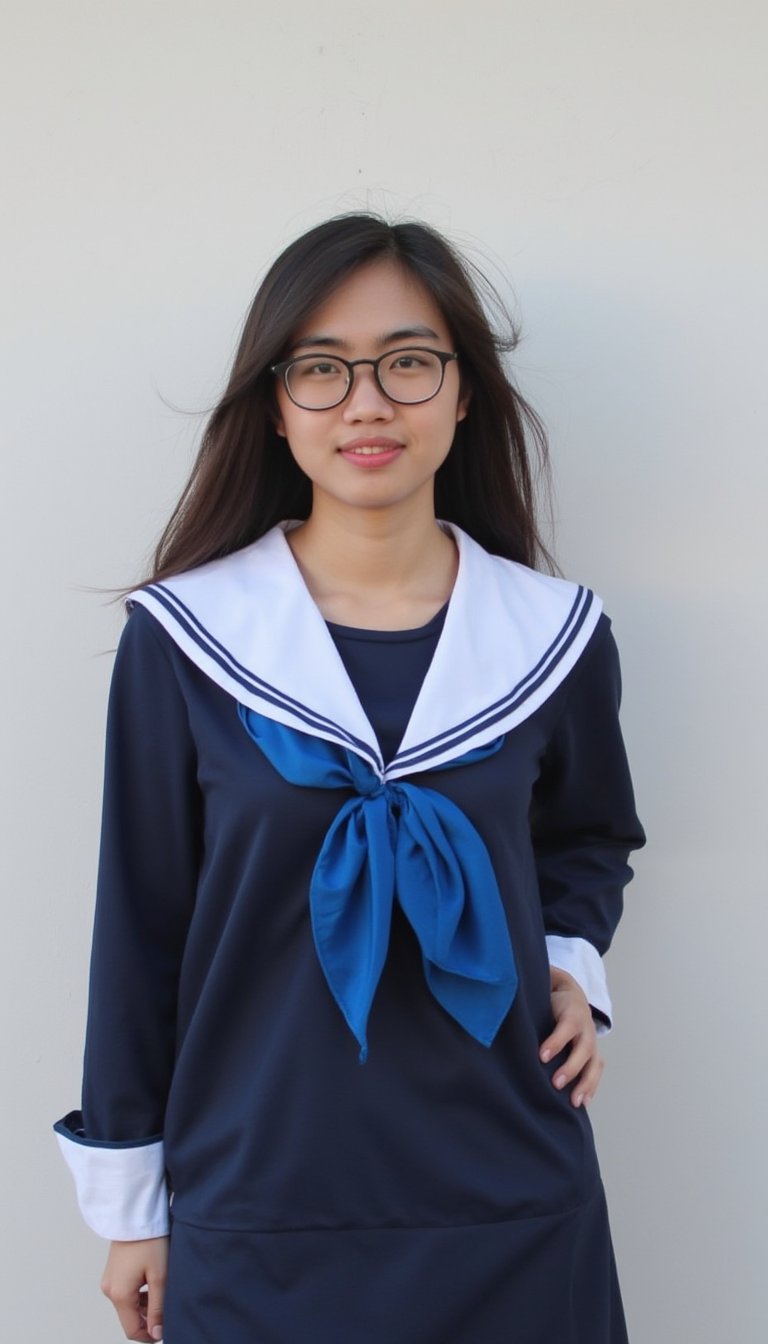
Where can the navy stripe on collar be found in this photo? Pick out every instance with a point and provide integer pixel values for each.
(500, 709)
(510, 637)
(194, 628)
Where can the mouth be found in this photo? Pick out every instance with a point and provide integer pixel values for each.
(370, 446)
(371, 451)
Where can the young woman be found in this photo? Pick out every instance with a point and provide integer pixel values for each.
(366, 826)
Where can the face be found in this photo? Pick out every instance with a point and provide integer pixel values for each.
(371, 452)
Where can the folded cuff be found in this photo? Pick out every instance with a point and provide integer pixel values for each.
(583, 961)
(121, 1187)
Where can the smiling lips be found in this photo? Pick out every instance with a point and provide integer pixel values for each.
(373, 452)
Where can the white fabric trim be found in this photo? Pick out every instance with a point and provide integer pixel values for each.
(511, 636)
(121, 1191)
(248, 622)
(583, 961)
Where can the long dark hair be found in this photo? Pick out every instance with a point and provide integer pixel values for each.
(245, 480)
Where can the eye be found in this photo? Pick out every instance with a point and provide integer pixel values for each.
(408, 361)
(316, 369)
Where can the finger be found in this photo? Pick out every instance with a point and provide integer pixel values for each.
(155, 1299)
(131, 1318)
(581, 1053)
(558, 1040)
(568, 1026)
(589, 1082)
(130, 1306)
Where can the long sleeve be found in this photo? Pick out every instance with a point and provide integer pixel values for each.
(150, 844)
(583, 821)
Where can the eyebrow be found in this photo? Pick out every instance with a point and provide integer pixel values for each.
(402, 334)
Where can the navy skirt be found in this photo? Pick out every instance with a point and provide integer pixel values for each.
(545, 1280)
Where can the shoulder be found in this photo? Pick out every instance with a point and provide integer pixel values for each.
(239, 571)
(593, 686)
(148, 664)
(526, 586)
(561, 621)
(601, 650)
(548, 620)
(223, 594)
(142, 636)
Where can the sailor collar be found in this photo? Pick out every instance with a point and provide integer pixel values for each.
(248, 621)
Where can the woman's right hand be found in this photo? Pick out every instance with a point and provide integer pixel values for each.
(134, 1281)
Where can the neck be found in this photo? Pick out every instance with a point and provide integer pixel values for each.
(375, 568)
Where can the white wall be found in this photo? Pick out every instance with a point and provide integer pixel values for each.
(610, 157)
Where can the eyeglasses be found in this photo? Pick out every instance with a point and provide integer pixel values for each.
(407, 376)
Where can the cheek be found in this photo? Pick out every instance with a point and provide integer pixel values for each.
(306, 444)
(304, 430)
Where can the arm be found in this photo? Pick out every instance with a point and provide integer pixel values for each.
(584, 825)
(146, 888)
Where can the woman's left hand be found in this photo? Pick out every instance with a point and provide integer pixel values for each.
(574, 1028)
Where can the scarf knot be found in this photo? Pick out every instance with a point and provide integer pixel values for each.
(399, 841)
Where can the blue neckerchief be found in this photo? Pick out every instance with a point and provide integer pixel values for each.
(399, 840)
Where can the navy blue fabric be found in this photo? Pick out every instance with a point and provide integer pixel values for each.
(210, 1020)
(550, 1280)
(387, 686)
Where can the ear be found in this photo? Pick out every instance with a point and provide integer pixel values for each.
(463, 405)
(277, 421)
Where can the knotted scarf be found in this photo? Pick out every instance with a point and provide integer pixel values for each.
(399, 841)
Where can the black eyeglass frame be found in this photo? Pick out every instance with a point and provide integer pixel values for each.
(281, 371)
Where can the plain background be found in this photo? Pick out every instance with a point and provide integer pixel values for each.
(607, 160)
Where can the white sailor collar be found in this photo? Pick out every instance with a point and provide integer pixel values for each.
(248, 621)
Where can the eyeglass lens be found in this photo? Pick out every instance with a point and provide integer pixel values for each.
(405, 376)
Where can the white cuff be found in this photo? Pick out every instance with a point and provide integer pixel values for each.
(583, 961)
(121, 1187)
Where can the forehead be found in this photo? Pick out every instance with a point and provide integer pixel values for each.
(379, 299)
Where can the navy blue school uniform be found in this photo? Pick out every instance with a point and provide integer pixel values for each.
(289, 886)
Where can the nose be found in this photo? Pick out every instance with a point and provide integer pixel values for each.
(366, 401)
